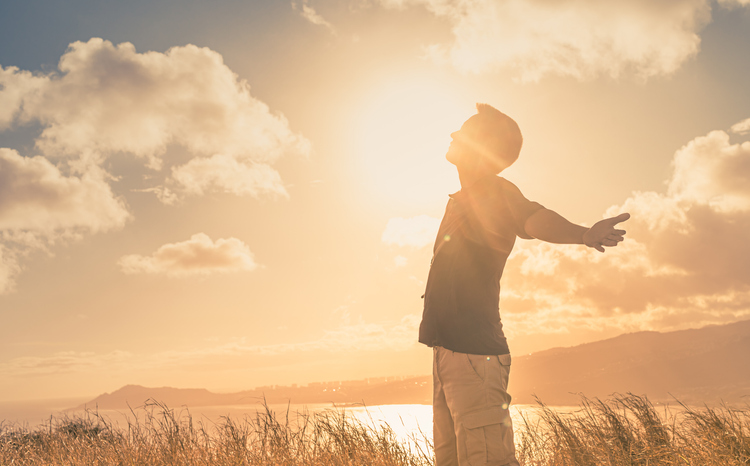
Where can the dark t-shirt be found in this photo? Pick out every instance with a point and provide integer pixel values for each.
(479, 228)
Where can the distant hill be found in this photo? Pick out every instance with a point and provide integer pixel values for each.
(136, 395)
(375, 391)
(707, 365)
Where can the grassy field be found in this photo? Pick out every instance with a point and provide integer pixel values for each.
(628, 430)
(623, 430)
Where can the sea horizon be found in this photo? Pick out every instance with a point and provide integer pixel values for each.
(408, 421)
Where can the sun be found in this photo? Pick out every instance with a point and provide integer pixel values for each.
(402, 135)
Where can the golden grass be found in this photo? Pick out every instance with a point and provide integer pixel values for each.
(163, 437)
(623, 430)
(627, 430)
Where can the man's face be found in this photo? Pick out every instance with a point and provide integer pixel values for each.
(465, 147)
(476, 146)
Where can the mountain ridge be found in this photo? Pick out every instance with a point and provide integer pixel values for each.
(708, 365)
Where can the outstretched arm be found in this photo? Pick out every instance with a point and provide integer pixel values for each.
(551, 227)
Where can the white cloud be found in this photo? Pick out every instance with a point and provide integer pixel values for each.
(197, 256)
(40, 205)
(569, 37)
(224, 173)
(8, 270)
(15, 87)
(417, 231)
(710, 170)
(683, 264)
(743, 126)
(309, 13)
(35, 195)
(109, 99)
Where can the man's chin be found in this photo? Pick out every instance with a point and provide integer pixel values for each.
(452, 158)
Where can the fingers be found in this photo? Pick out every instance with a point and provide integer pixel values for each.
(620, 218)
(611, 240)
(608, 235)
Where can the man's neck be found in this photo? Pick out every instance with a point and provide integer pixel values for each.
(468, 178)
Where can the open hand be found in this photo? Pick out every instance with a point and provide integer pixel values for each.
(604, 233)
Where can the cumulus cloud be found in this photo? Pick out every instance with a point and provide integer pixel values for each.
(710, 170)
(225, 173)
(568, 37)
(39, 204)
(35, 195)
(108, 99)
(742, 127)
(197, 256)
(684, 261)
(417, 231)
(15, 87)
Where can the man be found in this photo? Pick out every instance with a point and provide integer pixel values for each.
(461, 319)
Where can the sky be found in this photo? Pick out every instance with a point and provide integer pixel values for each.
(233, 194)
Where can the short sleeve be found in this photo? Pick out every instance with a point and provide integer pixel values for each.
(519, 207)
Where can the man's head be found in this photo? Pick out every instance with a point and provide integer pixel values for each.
(489, 140)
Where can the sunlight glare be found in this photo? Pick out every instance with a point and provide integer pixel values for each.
(402, 136)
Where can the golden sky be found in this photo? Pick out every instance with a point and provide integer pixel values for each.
(232, 194)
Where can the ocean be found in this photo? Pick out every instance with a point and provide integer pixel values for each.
(408, 421)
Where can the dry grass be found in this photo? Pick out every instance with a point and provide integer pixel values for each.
(162, 437)
(624, 430)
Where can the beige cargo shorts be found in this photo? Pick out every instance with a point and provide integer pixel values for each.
(471, 421)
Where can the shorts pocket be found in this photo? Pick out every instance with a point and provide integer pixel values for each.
(487, 438)
(478, 365)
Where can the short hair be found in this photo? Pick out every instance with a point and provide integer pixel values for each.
(503, 136)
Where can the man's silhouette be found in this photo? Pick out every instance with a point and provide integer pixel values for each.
(461, 319)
